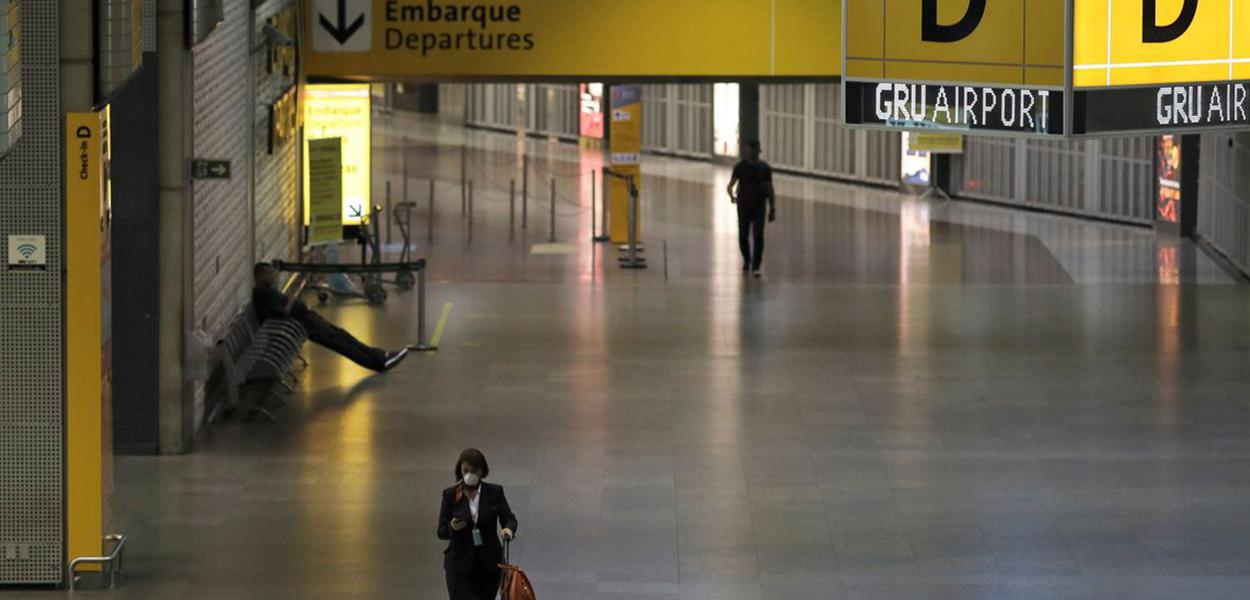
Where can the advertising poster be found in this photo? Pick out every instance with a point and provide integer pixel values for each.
(342, 111)
(625, 147)
(592, 110)
(917, 163)
(325, 191)
(1168, 179)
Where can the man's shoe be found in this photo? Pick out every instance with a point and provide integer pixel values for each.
(394, 358)
(756, 274)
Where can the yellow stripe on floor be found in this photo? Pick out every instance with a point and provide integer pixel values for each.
(442, 324)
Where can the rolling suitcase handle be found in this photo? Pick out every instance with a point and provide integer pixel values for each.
(507, 551)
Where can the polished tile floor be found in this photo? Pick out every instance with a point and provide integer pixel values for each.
(917, 401)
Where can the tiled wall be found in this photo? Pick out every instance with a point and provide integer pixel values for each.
(222, 209)
(1224, 195)
(277, 173)
(31, 437)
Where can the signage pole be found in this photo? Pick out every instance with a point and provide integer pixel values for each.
(469, 205)
(552, 236)
(511, 209)
(404, 187)
(430, 220)
(603, 221)
(388, 211)
(464, 177)
(525, 191)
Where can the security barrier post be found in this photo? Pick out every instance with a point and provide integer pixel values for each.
(525, 191)
(430, 221)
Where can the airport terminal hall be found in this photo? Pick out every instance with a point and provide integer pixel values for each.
(625, 299)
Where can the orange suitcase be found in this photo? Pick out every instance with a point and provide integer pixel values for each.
(514, 585)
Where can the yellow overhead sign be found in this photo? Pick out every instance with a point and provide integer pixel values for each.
(1144, 42)
(391, 39)
(1044, 68)
(341, 111)
(1008, 42)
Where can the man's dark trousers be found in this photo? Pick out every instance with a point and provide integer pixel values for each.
(335, 338)
(752, 217)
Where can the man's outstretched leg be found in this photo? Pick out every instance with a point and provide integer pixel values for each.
(340, 341)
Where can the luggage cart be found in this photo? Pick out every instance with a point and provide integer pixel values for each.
(371, 267)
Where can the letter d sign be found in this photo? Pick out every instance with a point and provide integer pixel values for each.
(1153, 33)
(932, 31)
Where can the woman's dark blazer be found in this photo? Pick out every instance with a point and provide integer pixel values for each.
(493, 514)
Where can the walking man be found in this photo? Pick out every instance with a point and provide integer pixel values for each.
(751, 188)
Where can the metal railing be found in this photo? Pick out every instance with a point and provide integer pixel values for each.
(112, 563)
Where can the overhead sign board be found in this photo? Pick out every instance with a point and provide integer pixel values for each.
(341, 111)
(1161, 65)
(1019, 67)
(586, 39)
(955, 65)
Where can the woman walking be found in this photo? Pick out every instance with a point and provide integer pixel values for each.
(474, 516)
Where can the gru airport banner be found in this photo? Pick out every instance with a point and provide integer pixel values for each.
(1047, 69)
(575, 39)
(1161, 65)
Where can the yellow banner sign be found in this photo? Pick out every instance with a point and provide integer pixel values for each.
(325, 191)
(1144, 42)
(341, 111)
(1005, 42)
(938, 143)
(388, 39)
(625, 156)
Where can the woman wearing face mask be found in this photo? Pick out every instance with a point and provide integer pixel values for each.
(471, 513)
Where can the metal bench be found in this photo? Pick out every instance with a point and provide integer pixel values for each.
(258, 360)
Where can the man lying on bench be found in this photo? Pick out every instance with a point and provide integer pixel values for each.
(270, 303)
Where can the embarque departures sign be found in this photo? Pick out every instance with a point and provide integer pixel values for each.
(1048, 68)
(586, 39)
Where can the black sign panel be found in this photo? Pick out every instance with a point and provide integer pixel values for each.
(210, 169)
(1163, 108)
(917, 106)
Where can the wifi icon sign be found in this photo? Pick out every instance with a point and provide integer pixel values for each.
(26, 251)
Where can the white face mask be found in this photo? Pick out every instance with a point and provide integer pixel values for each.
(471, 479)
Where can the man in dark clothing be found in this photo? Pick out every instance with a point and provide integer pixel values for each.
(751, 188)
(270, 303)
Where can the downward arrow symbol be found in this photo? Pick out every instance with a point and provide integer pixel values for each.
(342, 31)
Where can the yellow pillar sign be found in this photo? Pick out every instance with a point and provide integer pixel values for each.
(625, 157)
(342, 111)
(325, 191)
(88, 354)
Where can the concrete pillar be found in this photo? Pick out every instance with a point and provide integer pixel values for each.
(1191, 151)
(77, 58)
(748, 112)
(175, 222)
